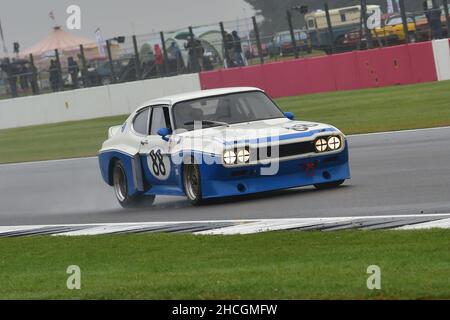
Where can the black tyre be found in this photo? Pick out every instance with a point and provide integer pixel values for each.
(192, 183)
(329, 185)
(121, 190)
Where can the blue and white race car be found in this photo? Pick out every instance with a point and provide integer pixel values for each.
(218, 143)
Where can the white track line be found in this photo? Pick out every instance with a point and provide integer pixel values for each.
(240, 227)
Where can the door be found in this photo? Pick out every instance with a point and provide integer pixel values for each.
(154, 151)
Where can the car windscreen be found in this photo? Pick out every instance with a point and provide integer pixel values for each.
(230, 109)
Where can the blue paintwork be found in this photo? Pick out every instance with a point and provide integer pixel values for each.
(289, 115)
(105, 159)
(218, 181)
(296, 135)
(164, 132)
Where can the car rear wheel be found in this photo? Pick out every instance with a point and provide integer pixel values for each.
(329, 185)
(192, 183)
(121, 190)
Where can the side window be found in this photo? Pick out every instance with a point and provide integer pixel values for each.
(160, 119)
(140, 123)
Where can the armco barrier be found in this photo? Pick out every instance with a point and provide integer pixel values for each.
(403, 64)
(90, 103)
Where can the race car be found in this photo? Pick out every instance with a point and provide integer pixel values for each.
(218, 143)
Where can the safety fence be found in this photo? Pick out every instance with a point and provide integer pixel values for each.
(404, 64)
(301, 33)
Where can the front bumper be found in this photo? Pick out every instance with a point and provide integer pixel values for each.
(219, 181)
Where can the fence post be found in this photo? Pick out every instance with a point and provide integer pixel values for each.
(195, 67)
(330, 27)
(137, 60)
(111, 65)
(226, 54)
(447, 17)
(84, 74)
(291, 29)
(367, 31)
(58, 66)
(166, 56)
(404, 20)
(34, 84)
(258, 40)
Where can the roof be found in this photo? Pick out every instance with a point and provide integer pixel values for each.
(198, 95)
(58, 39)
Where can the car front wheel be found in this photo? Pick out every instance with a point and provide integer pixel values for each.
(121, 190)
(192, 183)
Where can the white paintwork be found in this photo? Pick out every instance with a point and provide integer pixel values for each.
(214, 140)
(441, 52)
(90, 103)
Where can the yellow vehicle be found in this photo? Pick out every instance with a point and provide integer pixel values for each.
(392, 30)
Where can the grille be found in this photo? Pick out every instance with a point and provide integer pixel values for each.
(287, 150)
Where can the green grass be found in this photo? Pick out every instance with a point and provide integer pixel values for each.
(359, 111)
(281, 265)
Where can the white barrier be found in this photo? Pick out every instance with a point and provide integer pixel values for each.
(441, 51)
(90, 103)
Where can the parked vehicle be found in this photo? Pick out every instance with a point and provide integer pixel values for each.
(390, 32)
(343, 20)
(282, 43)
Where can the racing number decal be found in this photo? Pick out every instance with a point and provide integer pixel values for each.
(158, 164)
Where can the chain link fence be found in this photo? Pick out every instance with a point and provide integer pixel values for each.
(227, 44)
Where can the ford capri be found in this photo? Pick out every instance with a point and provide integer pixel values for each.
(218, 143)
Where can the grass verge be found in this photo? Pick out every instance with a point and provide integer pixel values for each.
(279, 265)
(358, 111)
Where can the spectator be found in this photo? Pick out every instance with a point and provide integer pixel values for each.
(11, 73)
(159, 59)
(195, 53)
(54, 76)
(237, 46)
(434, 20)
(73, 71)
(23, 76)
(229, 50)
(176, 54)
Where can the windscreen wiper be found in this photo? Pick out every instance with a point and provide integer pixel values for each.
(190, 123)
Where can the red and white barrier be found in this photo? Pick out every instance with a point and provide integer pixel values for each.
(403, 64)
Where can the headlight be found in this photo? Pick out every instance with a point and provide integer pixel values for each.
(334, 143)
(321, 145)
(243, 156)
(229, 157)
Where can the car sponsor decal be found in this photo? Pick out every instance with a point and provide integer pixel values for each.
(159, 164)
(302, 127)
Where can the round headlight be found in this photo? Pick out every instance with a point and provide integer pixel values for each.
(243, 156)
(334, 143)
(229, 157)
(321, 145)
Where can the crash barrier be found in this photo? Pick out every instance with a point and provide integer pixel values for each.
(441, 50)
(89, 103)
(403, 64)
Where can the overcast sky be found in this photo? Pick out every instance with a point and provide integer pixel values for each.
(28, 21)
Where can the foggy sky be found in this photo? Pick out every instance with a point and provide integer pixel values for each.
(28, 22)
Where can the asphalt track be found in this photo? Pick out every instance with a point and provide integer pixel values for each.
(392, 174)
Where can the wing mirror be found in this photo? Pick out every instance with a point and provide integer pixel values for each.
(164, 132)
(289, 115)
